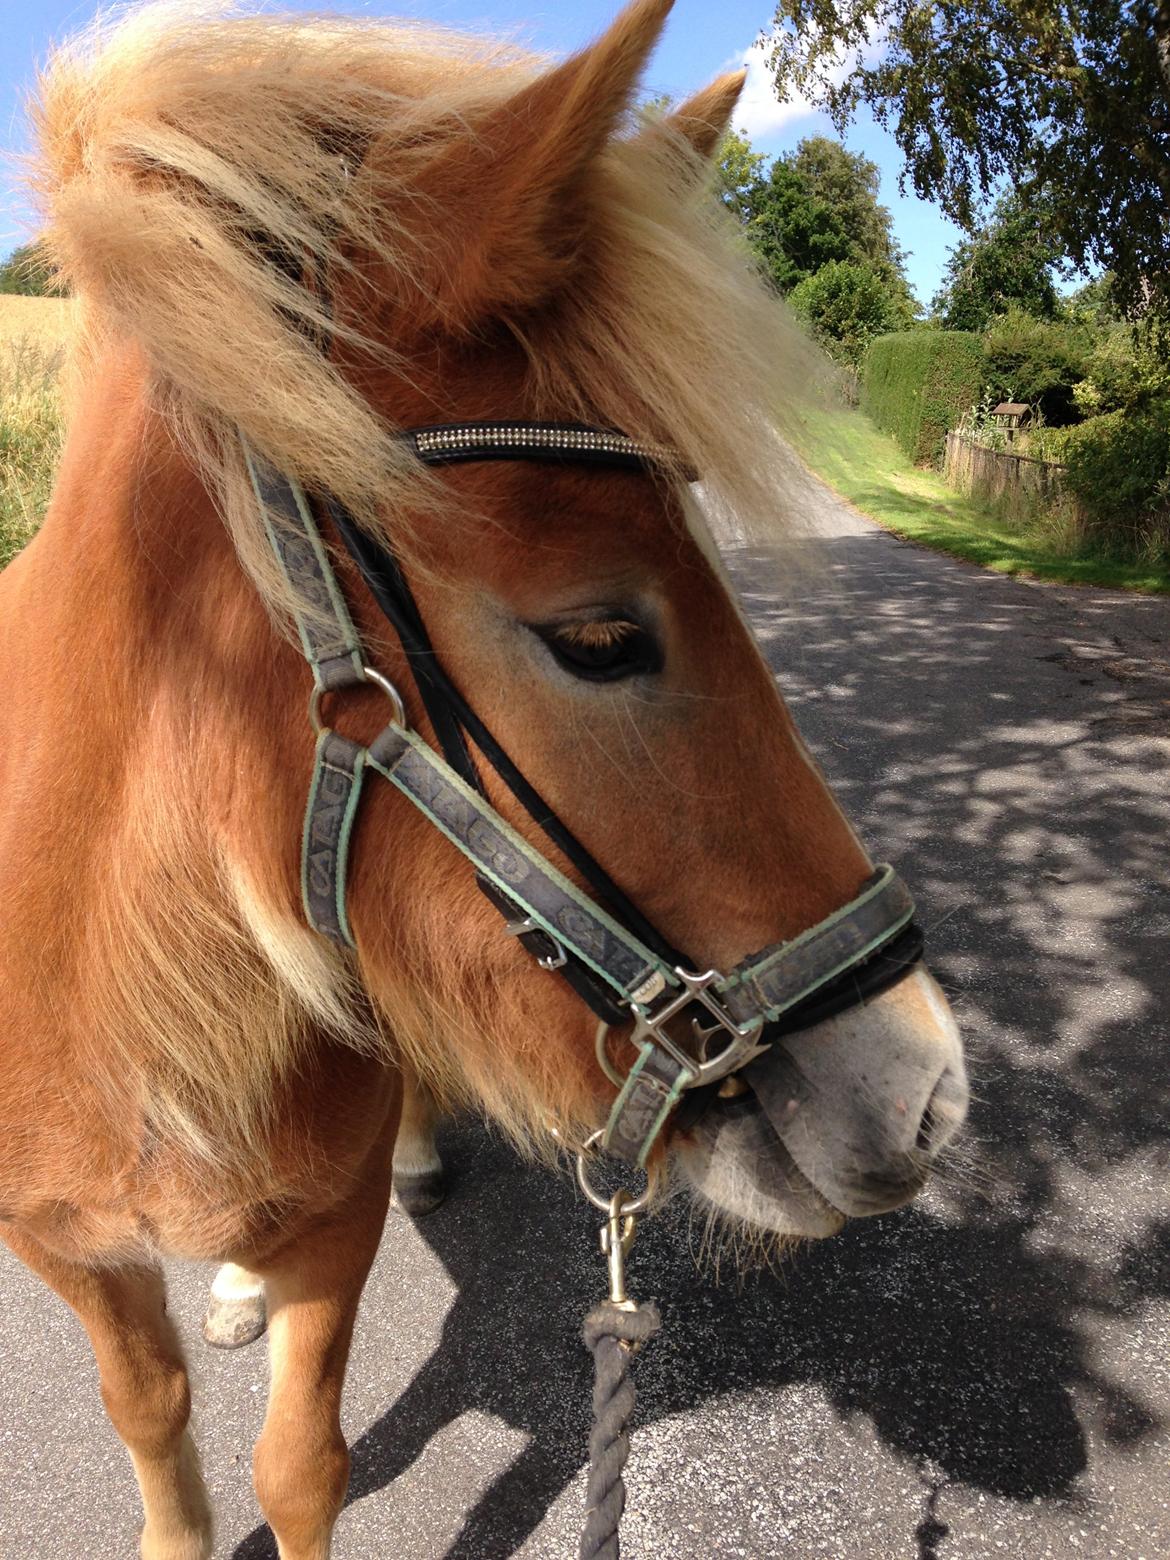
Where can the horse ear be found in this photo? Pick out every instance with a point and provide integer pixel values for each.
(514, 189)
(703, 120)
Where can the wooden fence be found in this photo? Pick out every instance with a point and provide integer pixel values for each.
(1020, 485)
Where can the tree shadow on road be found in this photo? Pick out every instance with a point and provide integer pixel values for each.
(953, 1340)
(982, 734)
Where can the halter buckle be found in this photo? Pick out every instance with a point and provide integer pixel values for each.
(522, 926)
(742, 1046)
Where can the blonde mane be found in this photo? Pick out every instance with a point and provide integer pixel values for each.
(181, 150)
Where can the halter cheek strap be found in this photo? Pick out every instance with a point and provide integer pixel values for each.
(613, 957)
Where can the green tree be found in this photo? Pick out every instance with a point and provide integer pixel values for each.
(793, 231)
(1069, 100)
(26, 271)
(739, 175)
(848, 184)
(1093, 304)
(816, 204)
(846, 304)
(1007, 263)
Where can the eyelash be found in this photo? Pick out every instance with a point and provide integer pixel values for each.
(601, 649)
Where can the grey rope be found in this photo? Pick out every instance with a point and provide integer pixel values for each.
(612, 1334)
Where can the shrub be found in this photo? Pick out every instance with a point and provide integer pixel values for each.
(1037, 361)
(1122, 373)
(1119, 470)
(846, 304)
(1048, 443)
(917, 384)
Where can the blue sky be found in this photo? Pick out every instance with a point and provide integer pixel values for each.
(701, 39)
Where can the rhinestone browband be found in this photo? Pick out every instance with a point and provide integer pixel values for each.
(538, 441)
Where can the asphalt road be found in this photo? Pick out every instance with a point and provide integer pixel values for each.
(984, 1375)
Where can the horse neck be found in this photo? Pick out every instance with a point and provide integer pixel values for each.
(150, 639)
(152, 712)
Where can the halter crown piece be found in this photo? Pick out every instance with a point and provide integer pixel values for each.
(600, 943)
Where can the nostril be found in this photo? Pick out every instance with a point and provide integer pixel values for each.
(944, 1113)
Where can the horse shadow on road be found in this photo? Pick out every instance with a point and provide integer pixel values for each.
(1004, 747)
(903, 1320)
(952, 1338)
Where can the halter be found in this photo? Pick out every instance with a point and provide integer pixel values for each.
(602, 945)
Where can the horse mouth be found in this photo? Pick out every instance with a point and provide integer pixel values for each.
(794, 1176)
(735, 1161)
(736, 1157)
(867, 1192)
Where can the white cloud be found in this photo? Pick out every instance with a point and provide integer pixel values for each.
(760, 113)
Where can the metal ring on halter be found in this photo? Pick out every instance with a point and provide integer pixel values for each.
(368, 675)
(636, 1205)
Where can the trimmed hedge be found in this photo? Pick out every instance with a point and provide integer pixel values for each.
(917, 384)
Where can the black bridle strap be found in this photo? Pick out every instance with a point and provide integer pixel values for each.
(387, 584)
(385, 581)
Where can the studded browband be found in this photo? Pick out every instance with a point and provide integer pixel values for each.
(577, 442)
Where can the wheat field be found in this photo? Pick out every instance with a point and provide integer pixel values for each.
(32, 336)
(41, 320)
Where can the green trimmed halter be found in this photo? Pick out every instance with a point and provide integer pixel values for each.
(615, 960)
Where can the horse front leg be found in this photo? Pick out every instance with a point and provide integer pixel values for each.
(236, 1309)
(419, 1181)
(301, 1462)
(144, 1388)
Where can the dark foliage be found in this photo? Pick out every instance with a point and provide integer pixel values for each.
(27, 271)
(1068, 102)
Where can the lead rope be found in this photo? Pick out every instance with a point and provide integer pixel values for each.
(614, 1332)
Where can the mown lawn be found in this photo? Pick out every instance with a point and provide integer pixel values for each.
(865, 466)
(32, 332)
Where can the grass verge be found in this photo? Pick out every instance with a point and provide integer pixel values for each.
(858, 461)
(32, 332)
(30, 437)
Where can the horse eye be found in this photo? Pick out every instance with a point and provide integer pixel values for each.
(601, 649)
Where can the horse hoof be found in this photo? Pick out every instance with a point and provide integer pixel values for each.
(418, 1194)
(236, 1312)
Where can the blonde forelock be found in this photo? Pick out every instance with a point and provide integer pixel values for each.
(184, 150)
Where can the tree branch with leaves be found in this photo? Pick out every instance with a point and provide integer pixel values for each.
(1066, 101)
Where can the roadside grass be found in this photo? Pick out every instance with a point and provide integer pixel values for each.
(866, 467)
(32, 332)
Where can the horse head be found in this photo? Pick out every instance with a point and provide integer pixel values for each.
(560, 269)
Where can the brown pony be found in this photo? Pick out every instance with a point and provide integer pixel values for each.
(184, 1066)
